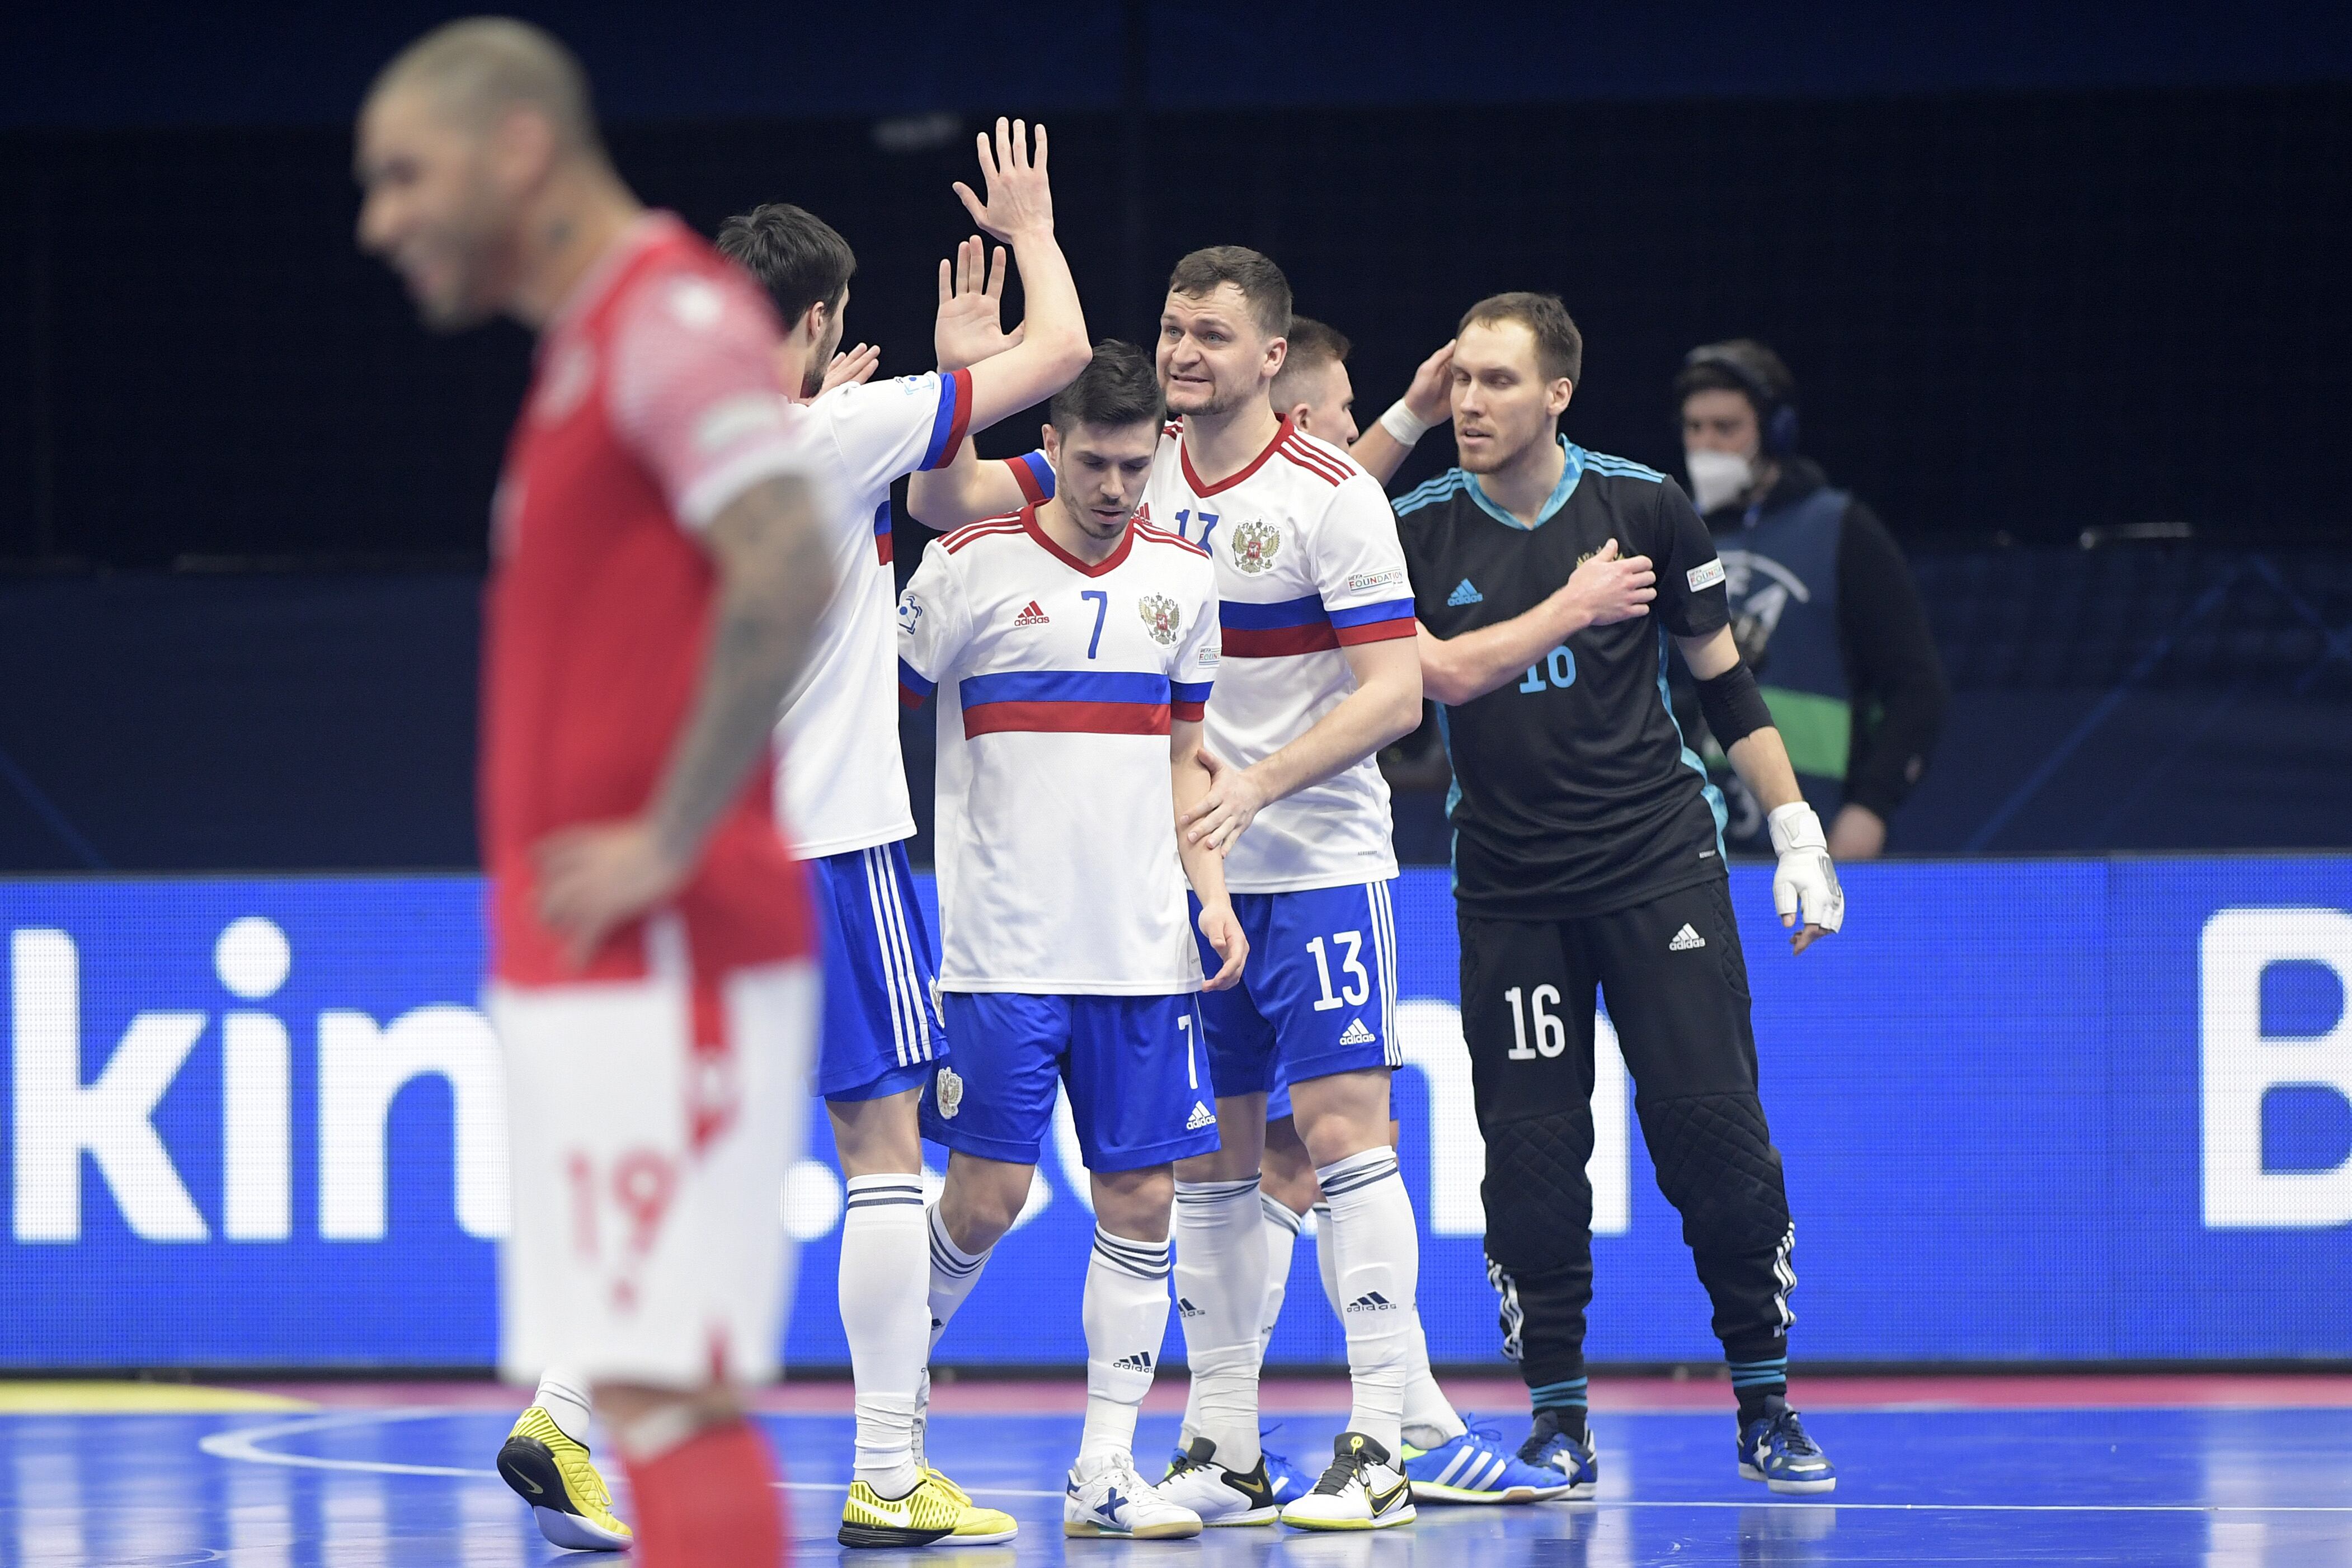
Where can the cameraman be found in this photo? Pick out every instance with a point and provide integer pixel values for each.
(1822, 605)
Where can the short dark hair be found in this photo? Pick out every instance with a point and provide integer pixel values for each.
(1263, 287)
(796, 256)
(1313, 345)
(1559, 346)
(1753, 367)
(1118, 387)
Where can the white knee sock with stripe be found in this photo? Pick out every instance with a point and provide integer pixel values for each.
(885, 1251)
(1281, 1242)
(1327, 1261)
(1126, 1316)
(1221, 1278)
(1378, 1261)
(954, 1272)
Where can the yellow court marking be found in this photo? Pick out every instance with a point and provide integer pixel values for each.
(136, 1399)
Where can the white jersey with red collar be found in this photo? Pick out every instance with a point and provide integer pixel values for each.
(845, 788)
(1307, 563)
(1057, 680)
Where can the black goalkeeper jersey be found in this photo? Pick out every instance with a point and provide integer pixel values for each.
(1573, 792)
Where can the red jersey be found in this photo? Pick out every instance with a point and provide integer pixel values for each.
(652, 404)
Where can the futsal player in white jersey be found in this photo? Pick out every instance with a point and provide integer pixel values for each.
(1072, 647)
(845, 800)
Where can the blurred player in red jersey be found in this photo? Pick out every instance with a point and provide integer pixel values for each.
(658, 569)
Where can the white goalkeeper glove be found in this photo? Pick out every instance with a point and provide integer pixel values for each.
(1806, 880)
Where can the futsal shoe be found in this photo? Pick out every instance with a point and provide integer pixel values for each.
(1551, 1446)
(557, 1478)
(936, 1511)
(1774, 1449)
(1290, 1483)
(1218, 1494)
(1104, 1497)
(1363, 1490)
(979, 1526)
(1476, 1468)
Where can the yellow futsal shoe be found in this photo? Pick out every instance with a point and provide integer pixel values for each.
(937, 1511)
(557, 1478)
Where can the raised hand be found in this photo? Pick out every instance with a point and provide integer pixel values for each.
(851, 366)
(1020, 203)
(972, 304)
(1431, 396)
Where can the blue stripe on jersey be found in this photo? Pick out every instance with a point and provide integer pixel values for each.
(1432, 492)
(942, 422)
(1064, 687)
(1364, 614)
(1187, 693)
(1622, 468)
(1247, 617)
(882, 518)
(1041, 471)
(912, 679)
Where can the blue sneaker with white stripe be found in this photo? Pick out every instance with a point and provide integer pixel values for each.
(1476, 1468)
(1550, 1444)
(1774, 1449)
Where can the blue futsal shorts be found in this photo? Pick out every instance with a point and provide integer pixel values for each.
(1140, 1092)
(1317, 996)
(882, 1028)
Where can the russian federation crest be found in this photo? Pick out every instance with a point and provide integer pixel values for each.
(1161, 618)
(1255, 545)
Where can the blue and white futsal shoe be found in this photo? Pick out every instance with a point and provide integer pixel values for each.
(1551, 1446)
(1476, 1468)
(1774, 1449)
(1290, 1483)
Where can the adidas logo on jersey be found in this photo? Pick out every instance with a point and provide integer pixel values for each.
(1686, 940)
(1372, 1302)
(1356, 1033)
(1031, 616)
(1139, 1362)
(1465, 594)
(1202, 1116)
(1185, 1309)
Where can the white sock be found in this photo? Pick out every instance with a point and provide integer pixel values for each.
(1327, 1261)
(1430, 1418)
(884, 1251)
(565, 1399)
(1281, 1241)
(1125, 1315)
(1221, 1277)
(1379, 1259)
(954, 1272)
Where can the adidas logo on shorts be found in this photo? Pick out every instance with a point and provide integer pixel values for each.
(1686, 940)
(1031, 616)
(1139, 1362)
(1356, 1033)
(1465, 595)
(1202, 1116)
(1372, 1302)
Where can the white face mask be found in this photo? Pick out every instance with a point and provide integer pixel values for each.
(1717, 478)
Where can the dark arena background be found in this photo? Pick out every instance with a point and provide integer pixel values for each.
(2066, 1107)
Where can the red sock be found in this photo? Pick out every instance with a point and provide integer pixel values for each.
(710, 1502)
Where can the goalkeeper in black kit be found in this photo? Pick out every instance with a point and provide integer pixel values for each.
(1587, 852)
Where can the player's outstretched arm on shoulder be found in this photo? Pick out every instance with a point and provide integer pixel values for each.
(1191, 770)
(1052, 345)
(775, 578)
(1427, 404)
(1806, 882)
(1604, 589)
(968, 489)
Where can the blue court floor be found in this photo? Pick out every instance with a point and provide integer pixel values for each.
(282, 1486)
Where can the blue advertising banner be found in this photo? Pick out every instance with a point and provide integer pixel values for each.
(2066, 1110)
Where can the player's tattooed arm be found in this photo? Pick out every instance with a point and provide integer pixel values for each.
(1601, 592)
(1190, 773)
(1427, 404)
(775, 577)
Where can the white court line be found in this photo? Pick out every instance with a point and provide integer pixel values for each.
(244, 1443)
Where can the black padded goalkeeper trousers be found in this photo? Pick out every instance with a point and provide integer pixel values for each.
(1675, 985)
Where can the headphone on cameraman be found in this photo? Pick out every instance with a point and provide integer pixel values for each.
(1776, 415)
